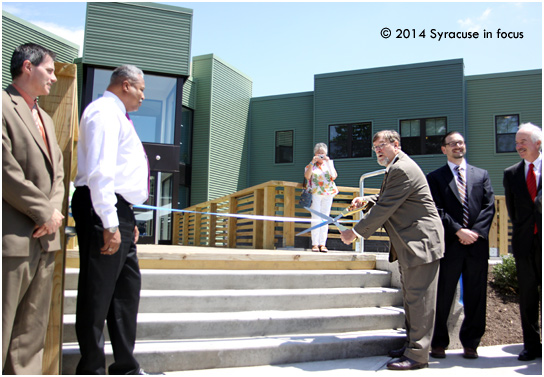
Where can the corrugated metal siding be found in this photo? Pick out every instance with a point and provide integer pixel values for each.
(202, 73)
(128, 33)
(189, 94)
(231, 93)
(499, 94)
(16, 31)
(280, 113)
(384, 96)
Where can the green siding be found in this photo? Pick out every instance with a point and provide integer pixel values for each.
(16, 31)
(220, 141)
(384, 96)
(499, 94)
(202, 73)
(280, 113)
(154, 37)
(189, 94)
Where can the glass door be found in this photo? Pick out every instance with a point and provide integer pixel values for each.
(155, 225)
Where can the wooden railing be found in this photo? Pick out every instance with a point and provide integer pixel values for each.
(279, 198)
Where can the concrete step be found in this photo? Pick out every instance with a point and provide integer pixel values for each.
(251, 279)
(172, 326)
(204, 301)
(163, 356)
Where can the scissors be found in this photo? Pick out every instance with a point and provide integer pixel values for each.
(329, 219)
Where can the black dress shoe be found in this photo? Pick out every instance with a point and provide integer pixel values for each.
(397, 353)
(405, 363)
(438, 352)
(526, 355)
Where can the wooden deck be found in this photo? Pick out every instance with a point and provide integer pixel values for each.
(214, 258)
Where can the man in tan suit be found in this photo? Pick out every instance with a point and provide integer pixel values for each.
(32, 195)
(405, 208)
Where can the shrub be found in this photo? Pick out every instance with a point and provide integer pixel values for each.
(505, 276)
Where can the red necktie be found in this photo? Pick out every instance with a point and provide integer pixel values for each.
(531, 184)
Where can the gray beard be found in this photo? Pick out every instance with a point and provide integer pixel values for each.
(384, 162)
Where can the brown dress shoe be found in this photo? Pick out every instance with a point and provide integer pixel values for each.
(438, 352)
(397, 353)
(405, 363)
(470, 353)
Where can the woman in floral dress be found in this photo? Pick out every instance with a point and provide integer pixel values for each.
(320, 173)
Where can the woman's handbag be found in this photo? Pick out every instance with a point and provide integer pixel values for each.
(305, 196)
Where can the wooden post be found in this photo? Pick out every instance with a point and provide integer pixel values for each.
(258, 225)
(231, 222)
(198, 225)
(503, 227)
(185, 234)
(288, 211)
(269, 204)
(493, 236)
(213, 225)
(175, 228)
(61, 105)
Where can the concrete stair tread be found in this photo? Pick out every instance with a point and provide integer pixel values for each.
(153, 346)
(251, 279)
(259, 314)
(254, 292)
(164, 356)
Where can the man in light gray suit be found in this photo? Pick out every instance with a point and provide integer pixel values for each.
(32, 195)
(405, 208)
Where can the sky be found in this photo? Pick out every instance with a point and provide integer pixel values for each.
(280, 46)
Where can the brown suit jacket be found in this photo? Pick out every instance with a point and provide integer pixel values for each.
(32, 181)
(405, 208)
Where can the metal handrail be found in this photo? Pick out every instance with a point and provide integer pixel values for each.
(359, 247)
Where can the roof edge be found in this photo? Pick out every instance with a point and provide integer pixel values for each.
(390, 68)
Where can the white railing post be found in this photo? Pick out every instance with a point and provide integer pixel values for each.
(360, 245)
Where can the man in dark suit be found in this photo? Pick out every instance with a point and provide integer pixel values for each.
(32, 195)
(405, 208)
(466, 204)
(521, 183)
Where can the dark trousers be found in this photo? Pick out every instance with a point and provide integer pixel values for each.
(472, 262)
(529, 271)
(109, 289)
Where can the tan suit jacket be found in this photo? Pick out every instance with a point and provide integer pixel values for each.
(32, 181)
(405, 208)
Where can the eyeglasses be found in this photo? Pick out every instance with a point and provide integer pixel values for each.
(455, 143)
(379, 147)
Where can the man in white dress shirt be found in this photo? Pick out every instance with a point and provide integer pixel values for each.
(113, 175)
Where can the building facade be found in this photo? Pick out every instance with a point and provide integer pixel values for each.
(206, 136)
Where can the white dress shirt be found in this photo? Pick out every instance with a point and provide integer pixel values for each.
(462, 165)
(111, 158)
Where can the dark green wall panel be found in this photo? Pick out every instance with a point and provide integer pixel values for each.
(154, 37)
(280, 113)
(499, 94)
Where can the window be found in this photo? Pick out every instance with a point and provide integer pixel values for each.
(155, 119)
(284, 147)
(422, 136)
(350, 140)
(506, 127)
